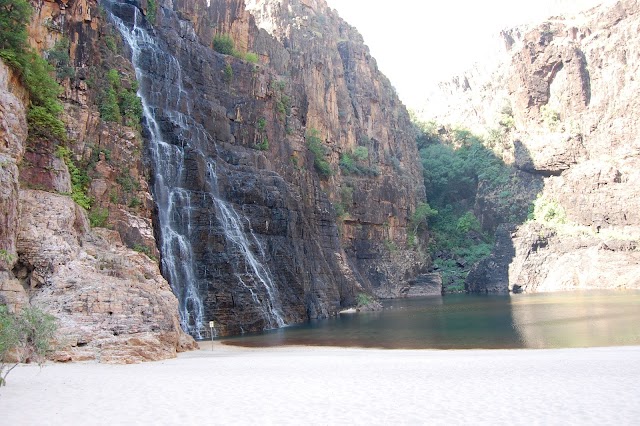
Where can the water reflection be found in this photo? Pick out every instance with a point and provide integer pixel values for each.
(582, 319)
(475, 321)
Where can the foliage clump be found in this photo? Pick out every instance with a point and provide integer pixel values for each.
(118, 103)
(456, 165)
(550, 117)
(152, 11)
(356, 162)
(14, 15)
(98, 217)
(223, 43)
(264, 145)
(79, 178)
(34, 71)
(24, 337)
(228, 73)
(346, 201)
(319, 151)
(59, 58)
(363, 299)
(548, 212)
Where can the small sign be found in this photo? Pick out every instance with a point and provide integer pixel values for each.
(210, 324)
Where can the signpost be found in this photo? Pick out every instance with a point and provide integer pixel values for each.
(211, 325)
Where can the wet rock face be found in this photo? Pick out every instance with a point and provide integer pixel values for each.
(250, 123)
(111, 302)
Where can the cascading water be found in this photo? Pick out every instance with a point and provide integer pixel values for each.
(174, 198)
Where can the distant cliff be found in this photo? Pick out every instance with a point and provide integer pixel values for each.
(272, 182)
(561, 105)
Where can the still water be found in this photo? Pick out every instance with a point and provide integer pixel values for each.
(551, 320)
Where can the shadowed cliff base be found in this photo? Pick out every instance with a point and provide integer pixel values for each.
(265, 175)
(473, 194)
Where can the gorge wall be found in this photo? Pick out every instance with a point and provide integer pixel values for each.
(272, 190)
(562, 101)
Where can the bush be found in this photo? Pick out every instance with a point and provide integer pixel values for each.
(223, 43)
(363, 299)
(420, 216)
(550, 117)
(228, 73)
(43, 123)
(14, 16)
(27, 336)
(251, 57)
(34, 71)
(361, 153)
(152, 10)
(127, 182)
(353, 163)
(314, 143)
(283, 105)
(98, 217)
(468, 222)
(117, 102)
(548, 212)
(140, 248)
(264, 145)
(261, 124)
(131, 108)
(348, 165)
(79, 179)
(109, 108)
(59, 58)
(43, 89)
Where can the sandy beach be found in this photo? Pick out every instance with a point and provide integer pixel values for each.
(318, 385)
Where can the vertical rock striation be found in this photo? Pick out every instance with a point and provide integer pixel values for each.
(111, 302)
(282, 187)
(242, 131)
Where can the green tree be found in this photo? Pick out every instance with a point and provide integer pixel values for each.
(223, 43)
(43, 89)
(26, 337)
(14, 16)
(420, 216)
(319, 151)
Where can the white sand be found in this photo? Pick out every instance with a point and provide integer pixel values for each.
(304, 385)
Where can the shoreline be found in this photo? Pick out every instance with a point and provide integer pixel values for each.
(332, 385)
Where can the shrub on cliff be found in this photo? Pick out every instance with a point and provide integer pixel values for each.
(117, 101)
(35, 72)
(79, 178)
(14, 16)
(152, 10)
(25, 337)
(314, 143)
(223, 43)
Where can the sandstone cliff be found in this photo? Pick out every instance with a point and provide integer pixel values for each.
(111, 302)
(271, 190)
(562, 106)
(299, 170)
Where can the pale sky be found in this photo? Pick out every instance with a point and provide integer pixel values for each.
(418, 43)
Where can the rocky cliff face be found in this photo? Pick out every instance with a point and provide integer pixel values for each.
(564, 100)
(282, 188)
(283, 232)
(111, 302)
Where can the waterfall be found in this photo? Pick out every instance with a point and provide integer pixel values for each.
(162, 108)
